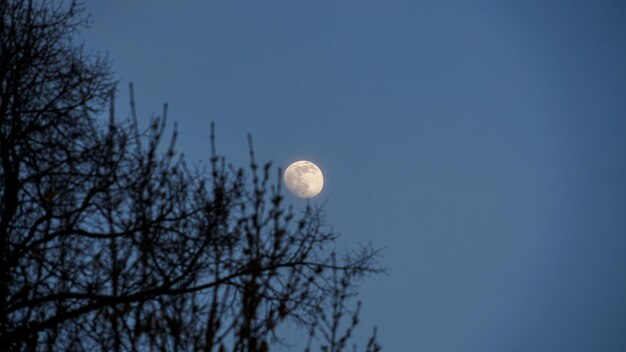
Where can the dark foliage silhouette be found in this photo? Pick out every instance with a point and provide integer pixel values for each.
(111, 242)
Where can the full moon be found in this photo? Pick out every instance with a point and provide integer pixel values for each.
(304, 179)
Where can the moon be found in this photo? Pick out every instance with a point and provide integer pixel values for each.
(304, 179)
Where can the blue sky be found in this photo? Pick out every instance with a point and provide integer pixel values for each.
(483, 143)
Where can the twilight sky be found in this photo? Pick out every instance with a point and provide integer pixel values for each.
(483, 143)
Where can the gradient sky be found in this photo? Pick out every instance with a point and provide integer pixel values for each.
(483, 143)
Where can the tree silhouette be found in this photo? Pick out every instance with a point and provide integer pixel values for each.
(111, 242)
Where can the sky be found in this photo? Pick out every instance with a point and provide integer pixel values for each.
(481, 143)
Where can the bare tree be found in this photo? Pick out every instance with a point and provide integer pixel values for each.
(48, 90)
(111, 242)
